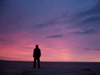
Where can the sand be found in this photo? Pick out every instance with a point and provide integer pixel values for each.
(46, 71)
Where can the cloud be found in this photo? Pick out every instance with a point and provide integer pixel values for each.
(53, 21)
(91, 19)
(86, 19)
(94, 10)
(83, 18)
(90, 15)
(47, 23)
(55, 36)
(85, 31)
(7, 41)
(91, 49)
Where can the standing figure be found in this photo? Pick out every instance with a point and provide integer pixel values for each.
(36, 55)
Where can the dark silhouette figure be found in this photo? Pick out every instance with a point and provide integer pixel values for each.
(37, 55)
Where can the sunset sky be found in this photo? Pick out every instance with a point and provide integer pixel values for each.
(65, 30)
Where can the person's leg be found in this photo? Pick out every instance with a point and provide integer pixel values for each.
(38, 63)
(34, 62)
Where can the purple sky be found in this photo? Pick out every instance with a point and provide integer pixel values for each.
(65, 30)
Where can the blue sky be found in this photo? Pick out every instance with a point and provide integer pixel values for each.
(70, 28)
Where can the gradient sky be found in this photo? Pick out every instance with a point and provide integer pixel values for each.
(65, 30)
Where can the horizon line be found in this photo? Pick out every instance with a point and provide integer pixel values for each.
(47, 61)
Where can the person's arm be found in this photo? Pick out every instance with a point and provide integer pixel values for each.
(33, 53)
(40, 53)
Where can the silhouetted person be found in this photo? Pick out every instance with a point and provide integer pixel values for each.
(36, 55)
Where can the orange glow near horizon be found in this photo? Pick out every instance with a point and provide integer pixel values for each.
(57, 51)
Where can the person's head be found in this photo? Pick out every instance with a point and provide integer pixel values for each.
(37, 46)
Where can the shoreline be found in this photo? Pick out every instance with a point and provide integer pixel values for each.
(46, 71)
